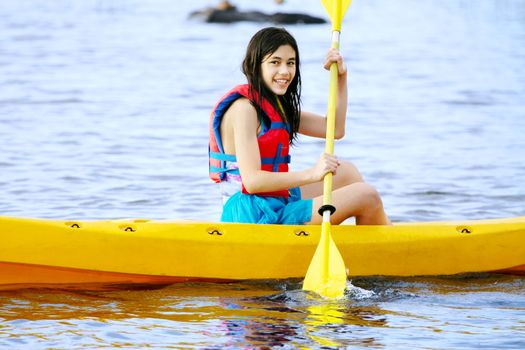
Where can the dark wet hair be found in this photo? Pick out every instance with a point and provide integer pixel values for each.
(265, 42)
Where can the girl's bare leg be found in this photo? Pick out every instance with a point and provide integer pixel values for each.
(358, 199)
(351, 197)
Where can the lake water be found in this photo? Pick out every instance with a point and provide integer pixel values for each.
(104, 109)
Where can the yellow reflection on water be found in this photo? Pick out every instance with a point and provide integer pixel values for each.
(257, 315)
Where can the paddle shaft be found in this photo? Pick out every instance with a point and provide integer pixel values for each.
(329, 148)
(330, 122)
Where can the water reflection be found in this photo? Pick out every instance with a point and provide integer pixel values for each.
(259, 334)
(237, 315)
(324, 316)
(376, 312)
(337, 324)
(324, 323)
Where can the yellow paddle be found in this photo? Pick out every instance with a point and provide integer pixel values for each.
(326, 274)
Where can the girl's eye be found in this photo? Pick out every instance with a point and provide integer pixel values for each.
(291, 63)
(274, 62)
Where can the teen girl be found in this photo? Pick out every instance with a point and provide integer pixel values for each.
(251, 130)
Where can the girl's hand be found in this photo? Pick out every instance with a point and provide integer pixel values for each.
(334, 56)
(327, 163)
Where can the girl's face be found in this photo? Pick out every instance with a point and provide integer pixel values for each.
(278, 69)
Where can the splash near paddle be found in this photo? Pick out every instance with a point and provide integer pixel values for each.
(326, 274)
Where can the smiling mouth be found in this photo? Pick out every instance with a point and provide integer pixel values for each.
(281, 81)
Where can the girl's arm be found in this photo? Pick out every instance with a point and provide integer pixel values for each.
(244, 122)
(315, 125)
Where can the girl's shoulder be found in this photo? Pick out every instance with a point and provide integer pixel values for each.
(241, 106)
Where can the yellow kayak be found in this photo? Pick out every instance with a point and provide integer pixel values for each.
(39, 251)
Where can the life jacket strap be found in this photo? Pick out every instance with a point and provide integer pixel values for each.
(273, 126)
(275, 161)
(223, 157)
(214, 169)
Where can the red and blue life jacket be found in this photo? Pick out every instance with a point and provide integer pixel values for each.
(274, 142)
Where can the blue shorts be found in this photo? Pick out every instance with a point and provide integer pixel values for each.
(254, 209)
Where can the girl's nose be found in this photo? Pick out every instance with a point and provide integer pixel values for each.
(283, 69)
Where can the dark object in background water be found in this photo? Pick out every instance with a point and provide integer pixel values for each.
(232, 15)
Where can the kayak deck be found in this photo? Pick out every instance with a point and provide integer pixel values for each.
(137, 251)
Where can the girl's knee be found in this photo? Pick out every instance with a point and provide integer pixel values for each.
(372, 211)
(347, 174)
(369, 196)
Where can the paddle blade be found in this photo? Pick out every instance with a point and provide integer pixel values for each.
(336, 9)
(326, 274)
